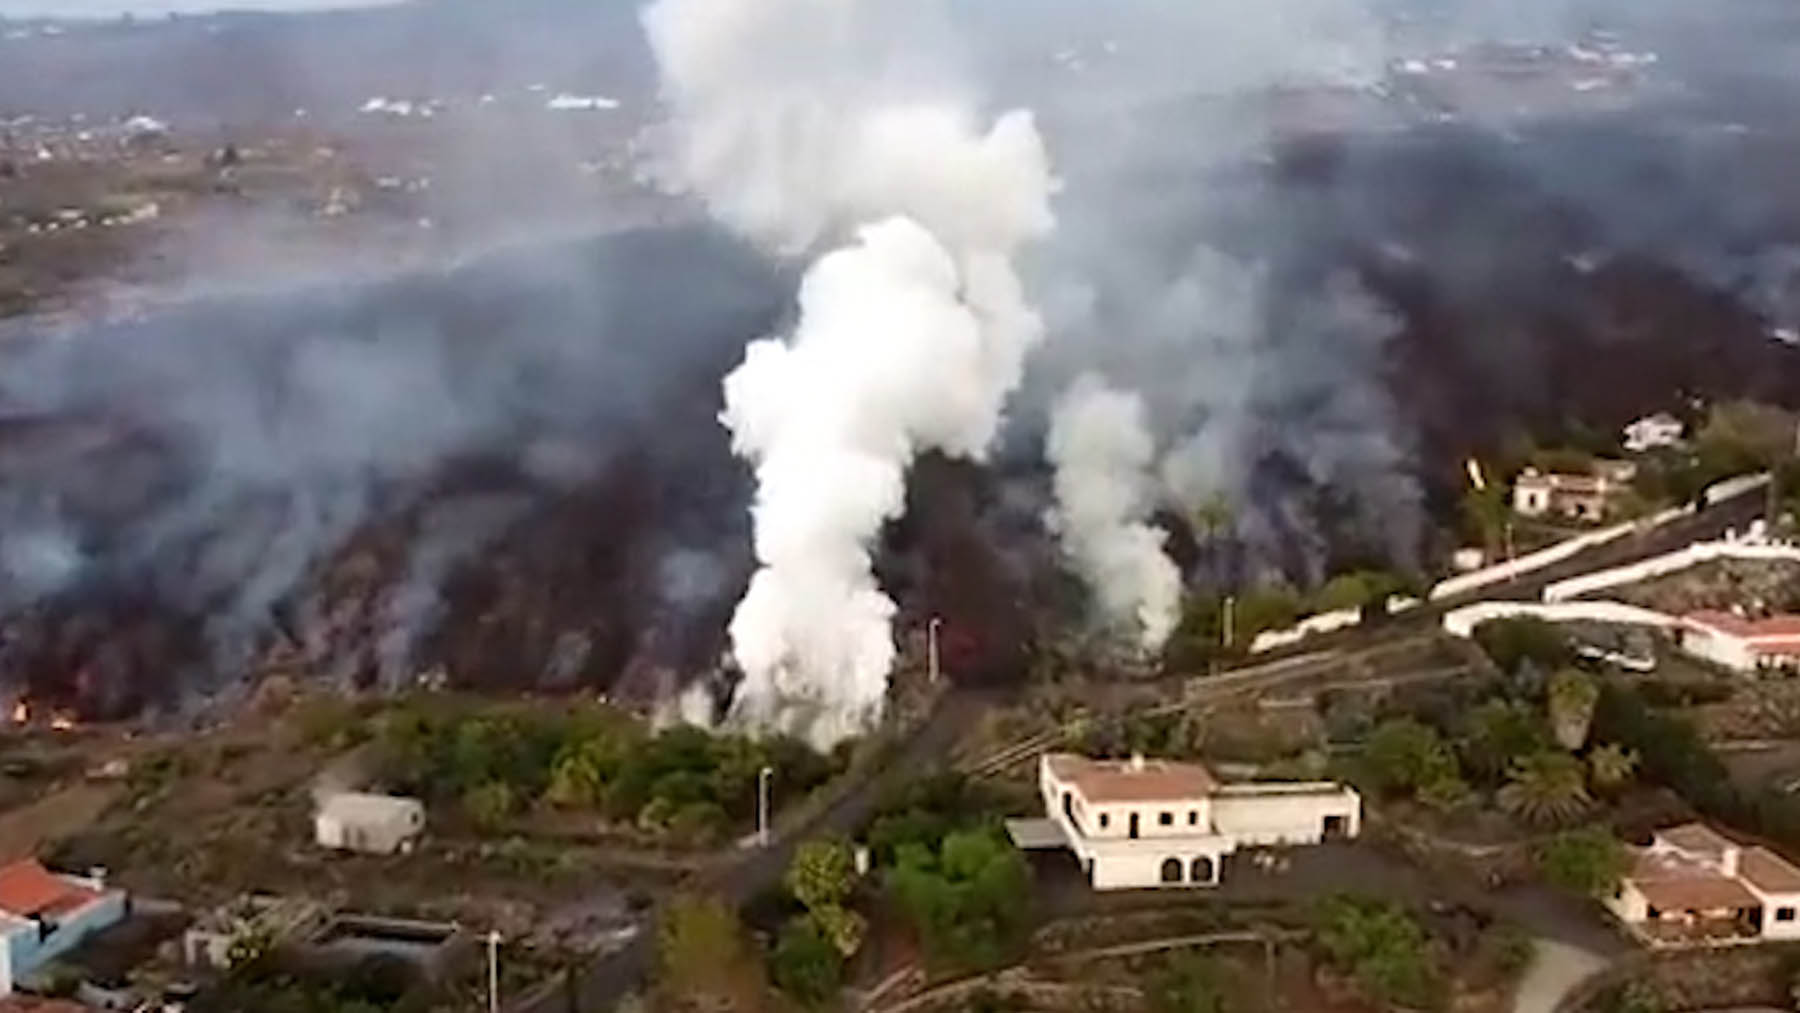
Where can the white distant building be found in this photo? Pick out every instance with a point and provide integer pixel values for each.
(1587, 497)
(1695, 886)
(1654, 432)
(374, 824)
(1740, 644)
(1157, 823)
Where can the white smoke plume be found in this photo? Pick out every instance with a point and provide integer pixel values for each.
(1102, 450)
(797, 121)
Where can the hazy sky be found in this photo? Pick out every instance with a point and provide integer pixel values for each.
(111, 8)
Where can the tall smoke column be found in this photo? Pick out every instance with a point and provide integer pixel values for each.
(801, 120)
(1101, 447)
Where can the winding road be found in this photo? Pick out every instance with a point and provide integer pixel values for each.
(600, 985)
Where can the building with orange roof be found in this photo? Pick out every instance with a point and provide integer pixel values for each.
(1694, 885)
(44, 915)
(1741, 644)
(1142, 823)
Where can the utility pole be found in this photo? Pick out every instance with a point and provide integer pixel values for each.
(1230, 619)
(493, 944)
(762, 805)
(931, 648)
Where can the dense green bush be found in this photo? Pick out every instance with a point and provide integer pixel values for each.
(685, 782)
(1382, 946)
(966, 901)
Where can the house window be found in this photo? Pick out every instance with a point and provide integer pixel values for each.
(1166, 819)
(1203, 870)
(1171, 870)
(1104, 820)
(1784, 914)
(1193, 817)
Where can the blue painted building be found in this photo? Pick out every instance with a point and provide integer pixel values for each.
(44, 915)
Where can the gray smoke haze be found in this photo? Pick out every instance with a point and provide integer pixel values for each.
(1314, 237)
(1267, 365)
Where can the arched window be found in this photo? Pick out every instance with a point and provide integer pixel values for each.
(1171, 870)
(1203, 870)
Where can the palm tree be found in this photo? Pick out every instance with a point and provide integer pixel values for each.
(1572, 699)
(1610, 766)
(1547, 788)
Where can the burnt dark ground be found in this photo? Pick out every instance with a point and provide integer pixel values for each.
(1576, 273)
(1522, 342)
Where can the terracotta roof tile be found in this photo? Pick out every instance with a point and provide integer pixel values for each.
(1700, 893)
(1773, 628)
(1101, 781)
(27, 888)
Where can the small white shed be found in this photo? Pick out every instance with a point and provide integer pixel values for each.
(375, 824)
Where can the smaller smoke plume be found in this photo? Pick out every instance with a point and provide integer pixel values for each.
(1101, 447)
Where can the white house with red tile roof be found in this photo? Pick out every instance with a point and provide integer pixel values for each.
(1694, 885)
(1740, 644)
(1157, 823)
(44, 915)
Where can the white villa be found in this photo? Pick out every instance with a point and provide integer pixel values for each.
(1157, 823)
(1653, 432)
(1695, 886)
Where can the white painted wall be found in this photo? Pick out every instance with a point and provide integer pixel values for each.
(1141, 868)
(1772, 905)
(1268, 819)
(1462, 622)
(1324, 622)
(1716, 493)
(1673, 562)
(1628, 904)
(1720, 649)
(6, 973)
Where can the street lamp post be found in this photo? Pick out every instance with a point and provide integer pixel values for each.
(493, 944)
(931, 647)
(1230, 619)
(762, 805)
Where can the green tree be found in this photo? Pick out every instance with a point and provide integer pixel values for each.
(581, 771)
(1270, 607)
(1344, 591)
(1446, 794)
(490, 805)
(1588, 861)
(1610, 766)
(1632, 997)
(1403, 755)
(1199, 638)
(1191, 983)
(1512, 641)
(1212, 517)
(1379, 944)
(842, 927)
(703, 956)
(1572, 698)
(964, 901)
(1497, 733)
(805, 965)
(1485, 513)
(822, 873)
(1546, 788)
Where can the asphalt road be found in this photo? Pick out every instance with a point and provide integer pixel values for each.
(599, 986)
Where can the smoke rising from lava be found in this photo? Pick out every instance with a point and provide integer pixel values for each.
(1103, 455)
(794, 120)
